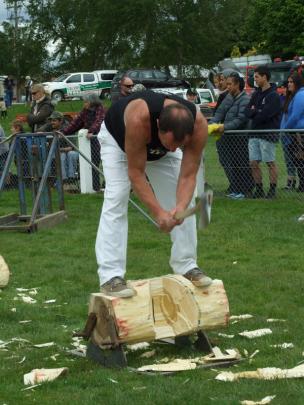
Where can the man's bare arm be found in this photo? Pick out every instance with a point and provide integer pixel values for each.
(192, 156)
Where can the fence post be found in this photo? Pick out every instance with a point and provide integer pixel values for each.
(85, 168)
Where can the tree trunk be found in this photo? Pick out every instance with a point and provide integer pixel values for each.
(163, 307)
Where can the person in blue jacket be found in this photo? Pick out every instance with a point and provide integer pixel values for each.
(293, 118)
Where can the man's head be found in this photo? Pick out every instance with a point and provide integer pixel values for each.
(222, 86)
(56, 119)
(262, 75)
(126, 85)
(235, 83)
(175, 125)
(38, 92)
(191, 95)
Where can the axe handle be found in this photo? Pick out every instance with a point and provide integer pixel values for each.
(188, 212)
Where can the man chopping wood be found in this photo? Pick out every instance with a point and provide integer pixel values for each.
(161, 137)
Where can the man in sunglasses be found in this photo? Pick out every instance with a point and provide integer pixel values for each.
(126, 87)
(162, 137)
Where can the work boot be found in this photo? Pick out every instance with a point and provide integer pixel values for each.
(198, 278)
(117, 287)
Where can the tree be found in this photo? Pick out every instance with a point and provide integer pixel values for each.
(276, 26)
(127, 33)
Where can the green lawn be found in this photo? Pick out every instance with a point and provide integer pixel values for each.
(255, 247)
(267, 281)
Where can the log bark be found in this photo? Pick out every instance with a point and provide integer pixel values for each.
(163, 307)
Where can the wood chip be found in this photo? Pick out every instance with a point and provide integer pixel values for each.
(256, 333)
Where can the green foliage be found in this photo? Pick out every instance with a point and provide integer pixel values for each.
(138, 32)
(276, 26)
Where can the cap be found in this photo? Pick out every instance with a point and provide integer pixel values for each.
(56, 115)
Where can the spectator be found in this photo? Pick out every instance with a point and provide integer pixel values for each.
(25, 147)
(191, 95)
(3, 149)
(41, 109)
(126, 87)
(222, 87)
(293, 118)
(234, 148)
(264, 110)
(3, 108)
(90, 118)
(9, 85)
(68, 156)
(287, 145)
(28, 89)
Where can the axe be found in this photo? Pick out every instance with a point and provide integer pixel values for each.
(203, 207)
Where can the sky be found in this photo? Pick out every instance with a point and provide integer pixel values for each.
(3, 11)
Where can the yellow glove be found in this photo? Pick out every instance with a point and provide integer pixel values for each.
(213, 131)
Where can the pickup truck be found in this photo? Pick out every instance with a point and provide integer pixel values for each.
(70, 85)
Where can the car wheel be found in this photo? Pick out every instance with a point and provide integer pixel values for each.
(57, 95)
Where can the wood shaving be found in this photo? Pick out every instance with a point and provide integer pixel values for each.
(256, 333)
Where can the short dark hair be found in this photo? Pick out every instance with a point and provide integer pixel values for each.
(263, 70)
(18, 124)
(236, 78)
(178, 119)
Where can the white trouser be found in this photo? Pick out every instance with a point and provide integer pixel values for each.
(112, 235)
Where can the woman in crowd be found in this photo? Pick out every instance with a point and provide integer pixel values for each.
(41, 108)
(293, 118)
(233, 154)
(90, 118)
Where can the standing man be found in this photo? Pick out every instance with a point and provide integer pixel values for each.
(28, 89)
(126, 87)
(9, 90)
(141, 135)
(264, 110)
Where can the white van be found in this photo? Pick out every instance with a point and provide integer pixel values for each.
(70, 85)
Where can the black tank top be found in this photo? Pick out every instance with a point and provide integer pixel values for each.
(114, 119)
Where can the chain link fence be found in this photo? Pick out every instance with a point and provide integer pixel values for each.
(226, 164)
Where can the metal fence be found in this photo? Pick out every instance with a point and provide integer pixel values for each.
(226, 164)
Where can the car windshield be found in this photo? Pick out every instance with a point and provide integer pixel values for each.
(61, 78)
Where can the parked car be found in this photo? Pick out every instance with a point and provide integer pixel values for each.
(205, 98)
(70, 85)
(150, 78)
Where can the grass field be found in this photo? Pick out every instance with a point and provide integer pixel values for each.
(255, 247)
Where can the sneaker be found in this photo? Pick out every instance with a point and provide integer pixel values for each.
(117, 287)
(198, 278)
(238, 196)
(231, 195)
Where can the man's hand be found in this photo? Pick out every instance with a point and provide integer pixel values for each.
(221, 128)
(89, 135)
(166, 221)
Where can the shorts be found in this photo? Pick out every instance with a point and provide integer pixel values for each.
(261, 150)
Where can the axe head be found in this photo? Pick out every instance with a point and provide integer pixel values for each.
(206, 200)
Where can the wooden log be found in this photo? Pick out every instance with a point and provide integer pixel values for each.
(163, 307)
